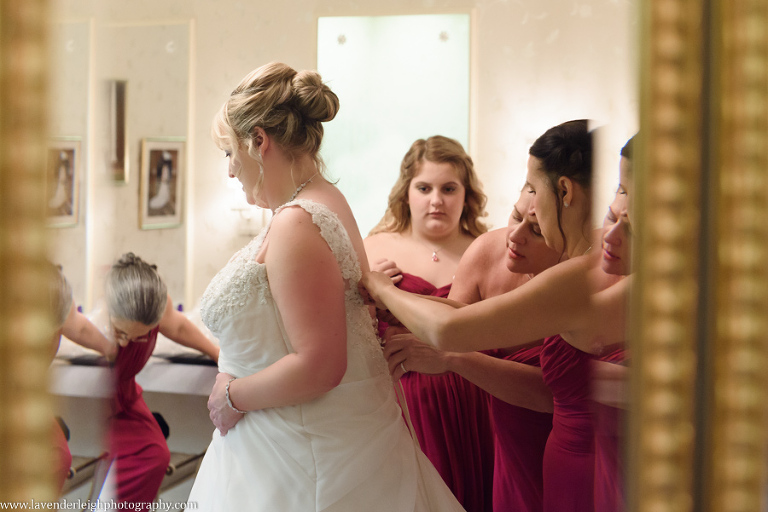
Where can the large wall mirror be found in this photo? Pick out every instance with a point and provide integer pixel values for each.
(493, 76)
(70, 50)
(158, 71)
(139, 86)
(130, 86)
(699, 389)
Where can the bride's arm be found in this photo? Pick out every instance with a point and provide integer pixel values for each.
(307, 286)
(556, 301)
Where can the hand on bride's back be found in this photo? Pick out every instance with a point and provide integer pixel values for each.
(221, 414)
(373, 283)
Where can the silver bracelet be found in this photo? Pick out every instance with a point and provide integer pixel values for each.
(229, 400)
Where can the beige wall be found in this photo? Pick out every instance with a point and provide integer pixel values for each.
(535, 63)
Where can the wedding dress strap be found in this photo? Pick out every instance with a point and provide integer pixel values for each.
(335, 235)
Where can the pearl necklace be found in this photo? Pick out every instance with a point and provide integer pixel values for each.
(300, 188)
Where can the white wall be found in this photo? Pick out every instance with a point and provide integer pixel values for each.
(535, 63)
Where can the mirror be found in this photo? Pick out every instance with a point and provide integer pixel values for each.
(523, 67)
(139, 79)
(70, 50)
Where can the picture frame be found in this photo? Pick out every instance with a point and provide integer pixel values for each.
(163, 166)
(63, 173)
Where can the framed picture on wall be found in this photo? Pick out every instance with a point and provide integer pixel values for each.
(62, 191)
(162, 175)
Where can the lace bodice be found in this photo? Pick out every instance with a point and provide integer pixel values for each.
(239, 310)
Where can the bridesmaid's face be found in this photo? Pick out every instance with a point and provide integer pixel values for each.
(527, 252)
(436, 199)
(126, 331)
(617, 229)
(544, 205)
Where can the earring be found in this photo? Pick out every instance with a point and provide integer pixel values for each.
(567, 205)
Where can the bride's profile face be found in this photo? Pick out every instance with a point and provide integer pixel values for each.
(249, 173)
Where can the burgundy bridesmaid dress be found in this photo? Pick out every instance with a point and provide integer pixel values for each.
(452, 423)
(136, 442)
(569, 457)
(521, 435)
(609, 467)
(62, 458)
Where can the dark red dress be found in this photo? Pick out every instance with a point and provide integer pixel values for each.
(62, 459)
(452, 422)
(569, 458)
(137, 444)
(521, 435)
(609, 467)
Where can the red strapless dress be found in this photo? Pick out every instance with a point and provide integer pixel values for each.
(452, 422)
(569, 458)
(609, 467)
(62, 458)
(521, 435)
(137, 444)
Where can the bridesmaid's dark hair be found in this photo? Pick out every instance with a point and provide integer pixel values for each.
(565, 150)
(629, 148)
(135, 291)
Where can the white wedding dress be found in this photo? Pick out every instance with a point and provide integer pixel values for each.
(348, 450)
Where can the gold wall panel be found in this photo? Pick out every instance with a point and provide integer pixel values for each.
(737, 468)
(665, 288)
(26, 419)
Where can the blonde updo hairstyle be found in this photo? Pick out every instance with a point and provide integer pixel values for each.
(436, 149)
(59, 294)
(289, 106)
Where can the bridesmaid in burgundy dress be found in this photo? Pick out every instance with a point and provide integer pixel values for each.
(521, 404)
(140, 308)
(433, 215)
(610, 371)
(574, 299)
(61, 303)
(76, 327)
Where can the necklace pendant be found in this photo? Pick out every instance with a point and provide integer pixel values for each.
(434, 256)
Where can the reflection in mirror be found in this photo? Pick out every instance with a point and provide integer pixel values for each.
(70, 48)
(100, 65)
(152, 62)
(532, 66)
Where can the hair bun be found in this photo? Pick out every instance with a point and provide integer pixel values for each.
(315, 100)
(128, 259)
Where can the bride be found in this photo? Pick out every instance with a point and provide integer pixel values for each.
(304, 406)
